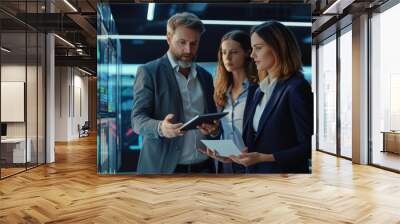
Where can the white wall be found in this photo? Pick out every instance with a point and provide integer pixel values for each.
(13, 72)
(80, 85)
(16, 73)
(33, 126)
(61, 103)
(10, 73)
(71, 93)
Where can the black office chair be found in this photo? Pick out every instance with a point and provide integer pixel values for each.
(84, 130)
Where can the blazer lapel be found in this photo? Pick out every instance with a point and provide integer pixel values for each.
(174, 87)
(273, 100)
(252, 109)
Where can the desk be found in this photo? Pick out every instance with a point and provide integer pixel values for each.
(13, 150)
(391, 141)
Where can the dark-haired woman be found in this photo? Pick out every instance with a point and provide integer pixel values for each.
(278, 122)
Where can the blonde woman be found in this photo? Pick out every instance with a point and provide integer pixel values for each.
(236, 72)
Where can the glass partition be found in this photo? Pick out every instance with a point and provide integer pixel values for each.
(31, 98)
(41, 97)
(22, 77)
(15, 151)
(327, 96)
(346, 93)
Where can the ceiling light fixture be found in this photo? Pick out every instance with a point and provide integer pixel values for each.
(253, 23)
(84, 71)
(5, 50)
(65, 41)
(70, 5)
(207, 22)
(337, 7)
(132, 37)
(150, 11)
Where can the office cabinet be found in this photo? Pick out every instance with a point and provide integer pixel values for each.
(391, 142)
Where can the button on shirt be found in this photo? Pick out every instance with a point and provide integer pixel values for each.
(267, 86)
(232, 123)
(193, 104)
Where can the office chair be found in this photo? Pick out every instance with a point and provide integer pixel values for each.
(84, 130)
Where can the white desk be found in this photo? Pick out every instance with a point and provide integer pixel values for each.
(17, 147)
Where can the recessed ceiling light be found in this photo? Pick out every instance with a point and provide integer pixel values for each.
(84, 71)
(150, 11)
(70, 5)
(64, 40)
(5, 50)
(252, 23)
(133, 37)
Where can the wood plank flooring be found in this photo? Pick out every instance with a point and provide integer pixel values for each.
(70, 191)
(9, 171)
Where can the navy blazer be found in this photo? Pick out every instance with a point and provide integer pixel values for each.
(285, 128)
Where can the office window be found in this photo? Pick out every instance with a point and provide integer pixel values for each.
(327, 96)
(346, 94)
(385, 88)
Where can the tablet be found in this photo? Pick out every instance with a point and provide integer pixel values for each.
(200, 119)
(224, 148)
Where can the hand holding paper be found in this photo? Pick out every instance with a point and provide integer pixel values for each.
(224, 148)
(213, 154)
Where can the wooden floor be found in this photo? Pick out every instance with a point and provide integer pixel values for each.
(10, 171)
(70, 191)
(387, 159)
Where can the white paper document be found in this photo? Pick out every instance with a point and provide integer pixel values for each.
(224, 148)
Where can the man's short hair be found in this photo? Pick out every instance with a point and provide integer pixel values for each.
(186, 19)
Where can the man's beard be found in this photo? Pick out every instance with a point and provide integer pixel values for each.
(184, 64)
(181, 63)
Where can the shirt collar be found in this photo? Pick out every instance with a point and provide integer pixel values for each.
(245, 84)
(175, 65)
(267, 83)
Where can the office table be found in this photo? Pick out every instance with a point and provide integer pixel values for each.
(391, 141)
(13, 150)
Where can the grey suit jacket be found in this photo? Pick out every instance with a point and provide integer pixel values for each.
(156, 94)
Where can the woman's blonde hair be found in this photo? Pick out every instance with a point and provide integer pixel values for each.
(284, 45)
(224, 78)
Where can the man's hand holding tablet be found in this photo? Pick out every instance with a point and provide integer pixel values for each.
(209, 129)
(207, 123)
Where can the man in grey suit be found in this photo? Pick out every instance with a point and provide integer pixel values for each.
(168, 92)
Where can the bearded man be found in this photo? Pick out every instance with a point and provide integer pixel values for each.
(168, 92)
